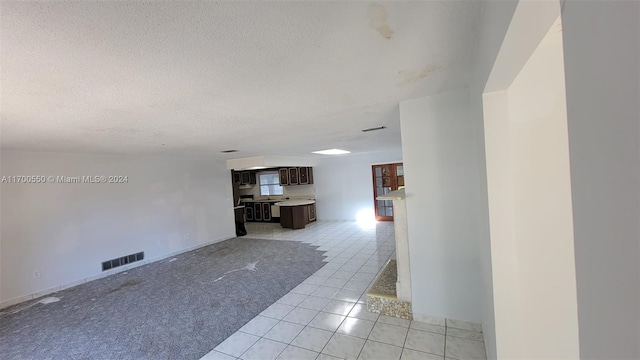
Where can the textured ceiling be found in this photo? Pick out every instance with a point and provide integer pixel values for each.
(194, 78)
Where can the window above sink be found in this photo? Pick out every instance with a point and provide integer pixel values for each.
(270, 184)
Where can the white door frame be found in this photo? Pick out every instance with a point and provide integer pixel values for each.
(525, 295)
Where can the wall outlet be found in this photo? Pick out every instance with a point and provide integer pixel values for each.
(36, 274)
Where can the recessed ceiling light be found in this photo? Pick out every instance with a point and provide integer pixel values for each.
(374, 128)
(332, 152)
(256, 167)
(228, 151)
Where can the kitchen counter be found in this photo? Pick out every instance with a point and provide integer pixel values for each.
(393, 195)
(295, 202)
(295, 214)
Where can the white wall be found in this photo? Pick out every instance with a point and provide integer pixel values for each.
(444, 205)
(503, 260)
(496, 16)
(601, 74)
(65, 231)
(602, 57)
(344, 184)
(530, 204)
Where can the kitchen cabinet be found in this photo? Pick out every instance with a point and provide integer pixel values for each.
(248, 178)
(303, 176)
(245, 177)
(293, 176)
(296, 176)
(296, 216)
(258, 211)
(248, 211)
(287, 176)
(284, 176)
(266, 212)
(311, 210)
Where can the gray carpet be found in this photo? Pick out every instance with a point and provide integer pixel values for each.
(178, 309)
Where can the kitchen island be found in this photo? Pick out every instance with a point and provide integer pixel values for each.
(295, 214)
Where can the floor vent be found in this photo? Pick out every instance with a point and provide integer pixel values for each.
(110, 264)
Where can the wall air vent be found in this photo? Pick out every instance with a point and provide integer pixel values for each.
(229, 151)
(110, 264)
(374, 128)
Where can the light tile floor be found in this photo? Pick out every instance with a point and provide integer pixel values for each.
(325, 317)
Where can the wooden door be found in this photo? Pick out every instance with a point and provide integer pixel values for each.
(386, 178)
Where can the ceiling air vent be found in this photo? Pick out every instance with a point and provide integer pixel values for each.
(374, 128)
(228, 151)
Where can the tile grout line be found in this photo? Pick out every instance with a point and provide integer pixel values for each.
(260, 338)
(446, 331)
(404, 343)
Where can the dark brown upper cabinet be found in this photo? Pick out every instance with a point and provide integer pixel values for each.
(293, 176)
(296, 176)
(244, 177)
(284, 176)
(303, 176)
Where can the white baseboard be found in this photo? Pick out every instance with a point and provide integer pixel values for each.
(429, 319)
(119, 269)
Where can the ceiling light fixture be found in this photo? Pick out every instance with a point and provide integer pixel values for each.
(332, 152)
(374, 128)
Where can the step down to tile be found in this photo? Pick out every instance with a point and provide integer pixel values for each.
(382, 297)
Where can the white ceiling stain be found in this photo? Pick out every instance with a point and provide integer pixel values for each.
(267, 78)
(407, 77)
(378, 16)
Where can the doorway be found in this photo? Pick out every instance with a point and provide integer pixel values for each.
(386, 178)
(529, 190)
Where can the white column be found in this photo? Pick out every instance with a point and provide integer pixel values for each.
(403, 284)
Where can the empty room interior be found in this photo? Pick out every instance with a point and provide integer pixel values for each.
(220, 180)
